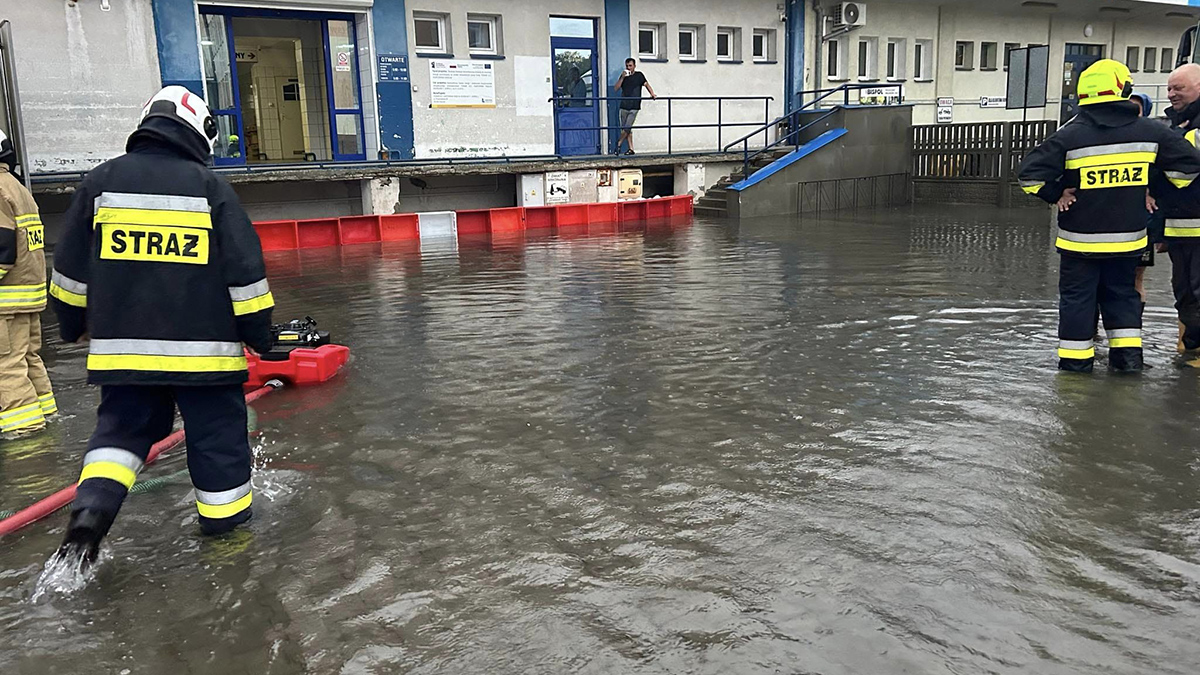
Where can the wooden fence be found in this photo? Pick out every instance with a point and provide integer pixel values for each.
(977, 151)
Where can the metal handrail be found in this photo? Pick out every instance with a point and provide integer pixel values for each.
(793, 120)
(720, 124)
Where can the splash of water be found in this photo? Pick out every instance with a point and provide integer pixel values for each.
(66, 574)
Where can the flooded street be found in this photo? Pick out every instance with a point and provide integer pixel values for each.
(832, 446)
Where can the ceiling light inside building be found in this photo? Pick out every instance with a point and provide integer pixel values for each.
(1038, 4)
(1114, 10)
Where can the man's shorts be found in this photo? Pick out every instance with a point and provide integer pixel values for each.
(627, 117)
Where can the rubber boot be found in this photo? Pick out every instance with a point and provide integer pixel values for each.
(1125, 360)
(86, 530)
(213, 528)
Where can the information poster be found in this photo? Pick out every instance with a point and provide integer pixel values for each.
(945, 110)
(558, 187)
(462, 84)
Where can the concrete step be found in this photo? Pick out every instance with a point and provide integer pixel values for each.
(712, 202)
(711, 213)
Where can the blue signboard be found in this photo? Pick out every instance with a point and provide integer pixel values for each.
(393, 68)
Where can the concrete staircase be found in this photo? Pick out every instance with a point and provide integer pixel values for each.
(714, 203)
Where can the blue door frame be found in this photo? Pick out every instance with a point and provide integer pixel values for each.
(576, 129)
(324, 18)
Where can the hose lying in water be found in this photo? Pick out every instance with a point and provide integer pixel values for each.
(63, 497)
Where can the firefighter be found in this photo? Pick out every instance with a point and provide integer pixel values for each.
(1097, 171)
(25, 395)
(159, 265)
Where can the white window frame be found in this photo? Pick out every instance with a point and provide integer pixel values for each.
(923, 62)
(732, 34)
(656, 30)
(768, 42)
(1149, 54)
(443, 25)
(1009, 47)
(899, 64)
(694, 31)
(983, 56)
(872, 60)
(839, 63)
(493, 24)
(1166, 57)
(968, 60)
(1133, 58)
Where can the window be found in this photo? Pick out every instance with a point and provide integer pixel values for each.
(691, 41)
(1008, 50)
(764, 45)
(1131, 58)
(896, 52)
(1168, 60)
(1150, 60)
(964, 55)
(923, 60)
(650, 40)
(835, 67)
(429, 33)
(729, 46)
(483, 34)
(988, 53)
(868, 58)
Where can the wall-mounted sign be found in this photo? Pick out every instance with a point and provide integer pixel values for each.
(876, 94)
(246, 56)
(343, 62)
(393, 68)
(558, 190)
(462, 84)
(993, 101)
(945, 110)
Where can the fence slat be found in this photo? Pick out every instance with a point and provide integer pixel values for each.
(974, 150)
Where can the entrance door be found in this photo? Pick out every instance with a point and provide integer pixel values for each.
(1076, 59)
(577, 84)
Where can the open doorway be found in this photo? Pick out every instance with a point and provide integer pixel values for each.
(284, 86)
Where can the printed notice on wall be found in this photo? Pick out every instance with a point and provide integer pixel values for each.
(343, 62)
(462, 84)
(558, 189)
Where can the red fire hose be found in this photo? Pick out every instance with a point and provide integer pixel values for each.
(65, 496)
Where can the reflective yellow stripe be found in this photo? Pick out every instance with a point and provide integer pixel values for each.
(1089, 353)
(1114, 158)
(19, 418)
(224, 510)
(110, 470)
(167, 364)
(18, 412)
(31, 421)
(1033, 189)
(1125, 342)
(2, 273)
(34, 219)
(1182, 231)
(108, 214)
(67, 297)
(49, 405)
(1180, 182)
(243, 307)
(1102, 247)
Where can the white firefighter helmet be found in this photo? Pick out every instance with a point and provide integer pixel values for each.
(179, 104)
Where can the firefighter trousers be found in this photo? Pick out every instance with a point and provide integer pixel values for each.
(133, 418)
(1109, 281)
(1185, 280)
(26, 398)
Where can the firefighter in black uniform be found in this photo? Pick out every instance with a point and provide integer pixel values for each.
(160, 266)
(1097, 170)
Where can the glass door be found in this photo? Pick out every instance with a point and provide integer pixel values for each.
(577, 85)
(220, 88)
(344, 90)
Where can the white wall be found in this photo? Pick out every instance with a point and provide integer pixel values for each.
(674, 76)
(522, 122)
(84, 76)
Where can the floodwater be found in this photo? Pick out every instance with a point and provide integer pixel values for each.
(833, 446)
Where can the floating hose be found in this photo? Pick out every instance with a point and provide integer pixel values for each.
(15, 521)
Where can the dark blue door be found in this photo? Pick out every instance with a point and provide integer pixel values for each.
(577, 84)
(1076, 59)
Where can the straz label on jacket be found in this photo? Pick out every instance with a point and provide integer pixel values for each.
(154, 243)
(1114, 176)
(35, 236)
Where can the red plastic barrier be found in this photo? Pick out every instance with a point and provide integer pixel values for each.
(399, 227)
(303, 366)
(317, 233)
(474, 221)
(604, 212)
(657, 208)
(358, 230)
(540, 217)
(506, 220)
(571, 215)
(277, 235)
(632, 211)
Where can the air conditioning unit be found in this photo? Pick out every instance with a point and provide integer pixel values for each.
(850, 14)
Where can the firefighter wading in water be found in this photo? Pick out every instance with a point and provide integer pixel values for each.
(1097, 169)
(160, 265)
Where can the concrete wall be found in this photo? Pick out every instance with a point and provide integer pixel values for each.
(522, 122)
(877, 144)
(945, 24)
(707, 76)
(82, 90)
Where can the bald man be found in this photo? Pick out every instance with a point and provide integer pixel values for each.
(1181, 209)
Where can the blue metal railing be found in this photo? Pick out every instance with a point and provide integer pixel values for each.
(792, 120)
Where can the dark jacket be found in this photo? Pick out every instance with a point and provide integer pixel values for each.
(1181, 208)
(161, 266)
(1107, 153)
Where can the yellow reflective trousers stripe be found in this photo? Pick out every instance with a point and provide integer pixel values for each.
(1102, 247)
(1125, 342)
(110, 470)
(19, 418)
(217, 512)
(1089, 353)
(167, 364)
(48, 403)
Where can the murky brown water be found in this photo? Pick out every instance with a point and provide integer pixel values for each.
(834, 447)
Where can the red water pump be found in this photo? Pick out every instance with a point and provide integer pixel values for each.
(301, 355)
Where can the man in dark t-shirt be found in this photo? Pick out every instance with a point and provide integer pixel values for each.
(630, 85)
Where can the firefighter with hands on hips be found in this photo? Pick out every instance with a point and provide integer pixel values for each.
(1097, 170)
(26, 399)
(161, 268)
